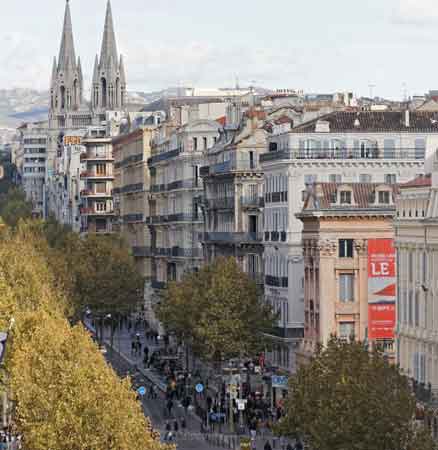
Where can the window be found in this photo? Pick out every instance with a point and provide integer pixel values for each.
(334, 197)
(346, 331)
(346, 248)
(335, 178)
(195, 144)
(390, 178)
(345, 197)
(384, 197)
(100, 169)
(205, 143)
(420, 148)
(365, 178)
(310, 179)
(346, 287)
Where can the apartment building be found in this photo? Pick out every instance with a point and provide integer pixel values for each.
(416, 240)
(233, 194)
(97, 210)
(176, 220)
(32, 155)
(131, 202)
(64, 185)
(342, 147)
(349, 265)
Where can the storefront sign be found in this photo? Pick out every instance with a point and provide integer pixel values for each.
(381, 289)
(72, 140)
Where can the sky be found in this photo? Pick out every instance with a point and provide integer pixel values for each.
(315, 45)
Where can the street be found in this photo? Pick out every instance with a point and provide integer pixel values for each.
(124, 363)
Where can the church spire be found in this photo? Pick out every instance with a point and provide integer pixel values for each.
(109, 46)
(67, 56)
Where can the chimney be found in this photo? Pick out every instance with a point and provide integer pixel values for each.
(407, 118)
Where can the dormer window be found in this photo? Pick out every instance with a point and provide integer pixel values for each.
(384, 197)
(345, 197)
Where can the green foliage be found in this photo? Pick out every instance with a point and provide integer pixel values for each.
(14, 207)
(349, 399)
(218, 310)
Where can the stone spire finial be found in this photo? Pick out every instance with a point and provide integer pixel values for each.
(67, 55)
(109, 46)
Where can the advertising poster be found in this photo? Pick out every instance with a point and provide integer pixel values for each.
(381, 289)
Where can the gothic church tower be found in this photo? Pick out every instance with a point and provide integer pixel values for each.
(108, 90)
(66, 87)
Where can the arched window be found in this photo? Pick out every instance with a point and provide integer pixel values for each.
(62, 97)
(75, 94)
(104, 92)
(118, 102)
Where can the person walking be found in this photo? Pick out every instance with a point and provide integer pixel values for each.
(183, 425)
(176, 426)
(267, 446)
(289, 446)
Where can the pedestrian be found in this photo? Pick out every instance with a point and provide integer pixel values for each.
(133, 348)
(267, 446)
(289, 446)
(139, 345)
(282, 443)
(151, 391)
(183, 425)
(169, 407)
(175, 426)
(299, 445)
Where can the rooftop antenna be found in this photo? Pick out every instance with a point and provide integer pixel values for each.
(371, 86)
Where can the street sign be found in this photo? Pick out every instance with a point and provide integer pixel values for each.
(279, 381)
(199, 388)
(241, 404)
(141, 391)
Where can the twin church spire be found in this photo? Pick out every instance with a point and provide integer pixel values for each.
(109, 80)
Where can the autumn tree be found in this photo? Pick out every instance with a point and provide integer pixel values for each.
(218, 310)
(66, 397)
(349, 399)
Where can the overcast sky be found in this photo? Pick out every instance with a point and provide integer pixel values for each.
(315, 45)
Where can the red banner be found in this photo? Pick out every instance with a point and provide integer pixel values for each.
(381, 289)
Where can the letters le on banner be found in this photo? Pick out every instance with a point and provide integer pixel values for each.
(381, 289)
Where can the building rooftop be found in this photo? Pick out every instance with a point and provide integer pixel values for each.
(374, 121)
(325, 196)
(420, 181)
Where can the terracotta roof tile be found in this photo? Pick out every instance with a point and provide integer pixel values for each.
(421, 181)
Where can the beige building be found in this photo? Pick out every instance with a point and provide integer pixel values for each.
(339, 220)
(131, 204)
(416, 238)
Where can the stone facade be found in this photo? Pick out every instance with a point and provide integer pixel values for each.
(416, 232)
(385, 148)
(335, 245)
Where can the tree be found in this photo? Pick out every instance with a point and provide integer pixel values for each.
(66, 397)
(349, 399)
(218, 310)
(14, 207)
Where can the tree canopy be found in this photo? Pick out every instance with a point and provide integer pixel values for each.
(66, 396)
(218, 310)
(349, 399)
(14, 206)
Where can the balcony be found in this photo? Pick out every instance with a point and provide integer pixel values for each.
(95, 212)
(141, 252)
(164, 156)
(232, 165)
(132, 188)
(252, 202)
(160, 251)
(178, 252)
(133, 159)
(96, 156)
(232, 238)
(183, 217)
(220, 203)
(410, 154)
(91, 193)
(133, 218)
(91, 174)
